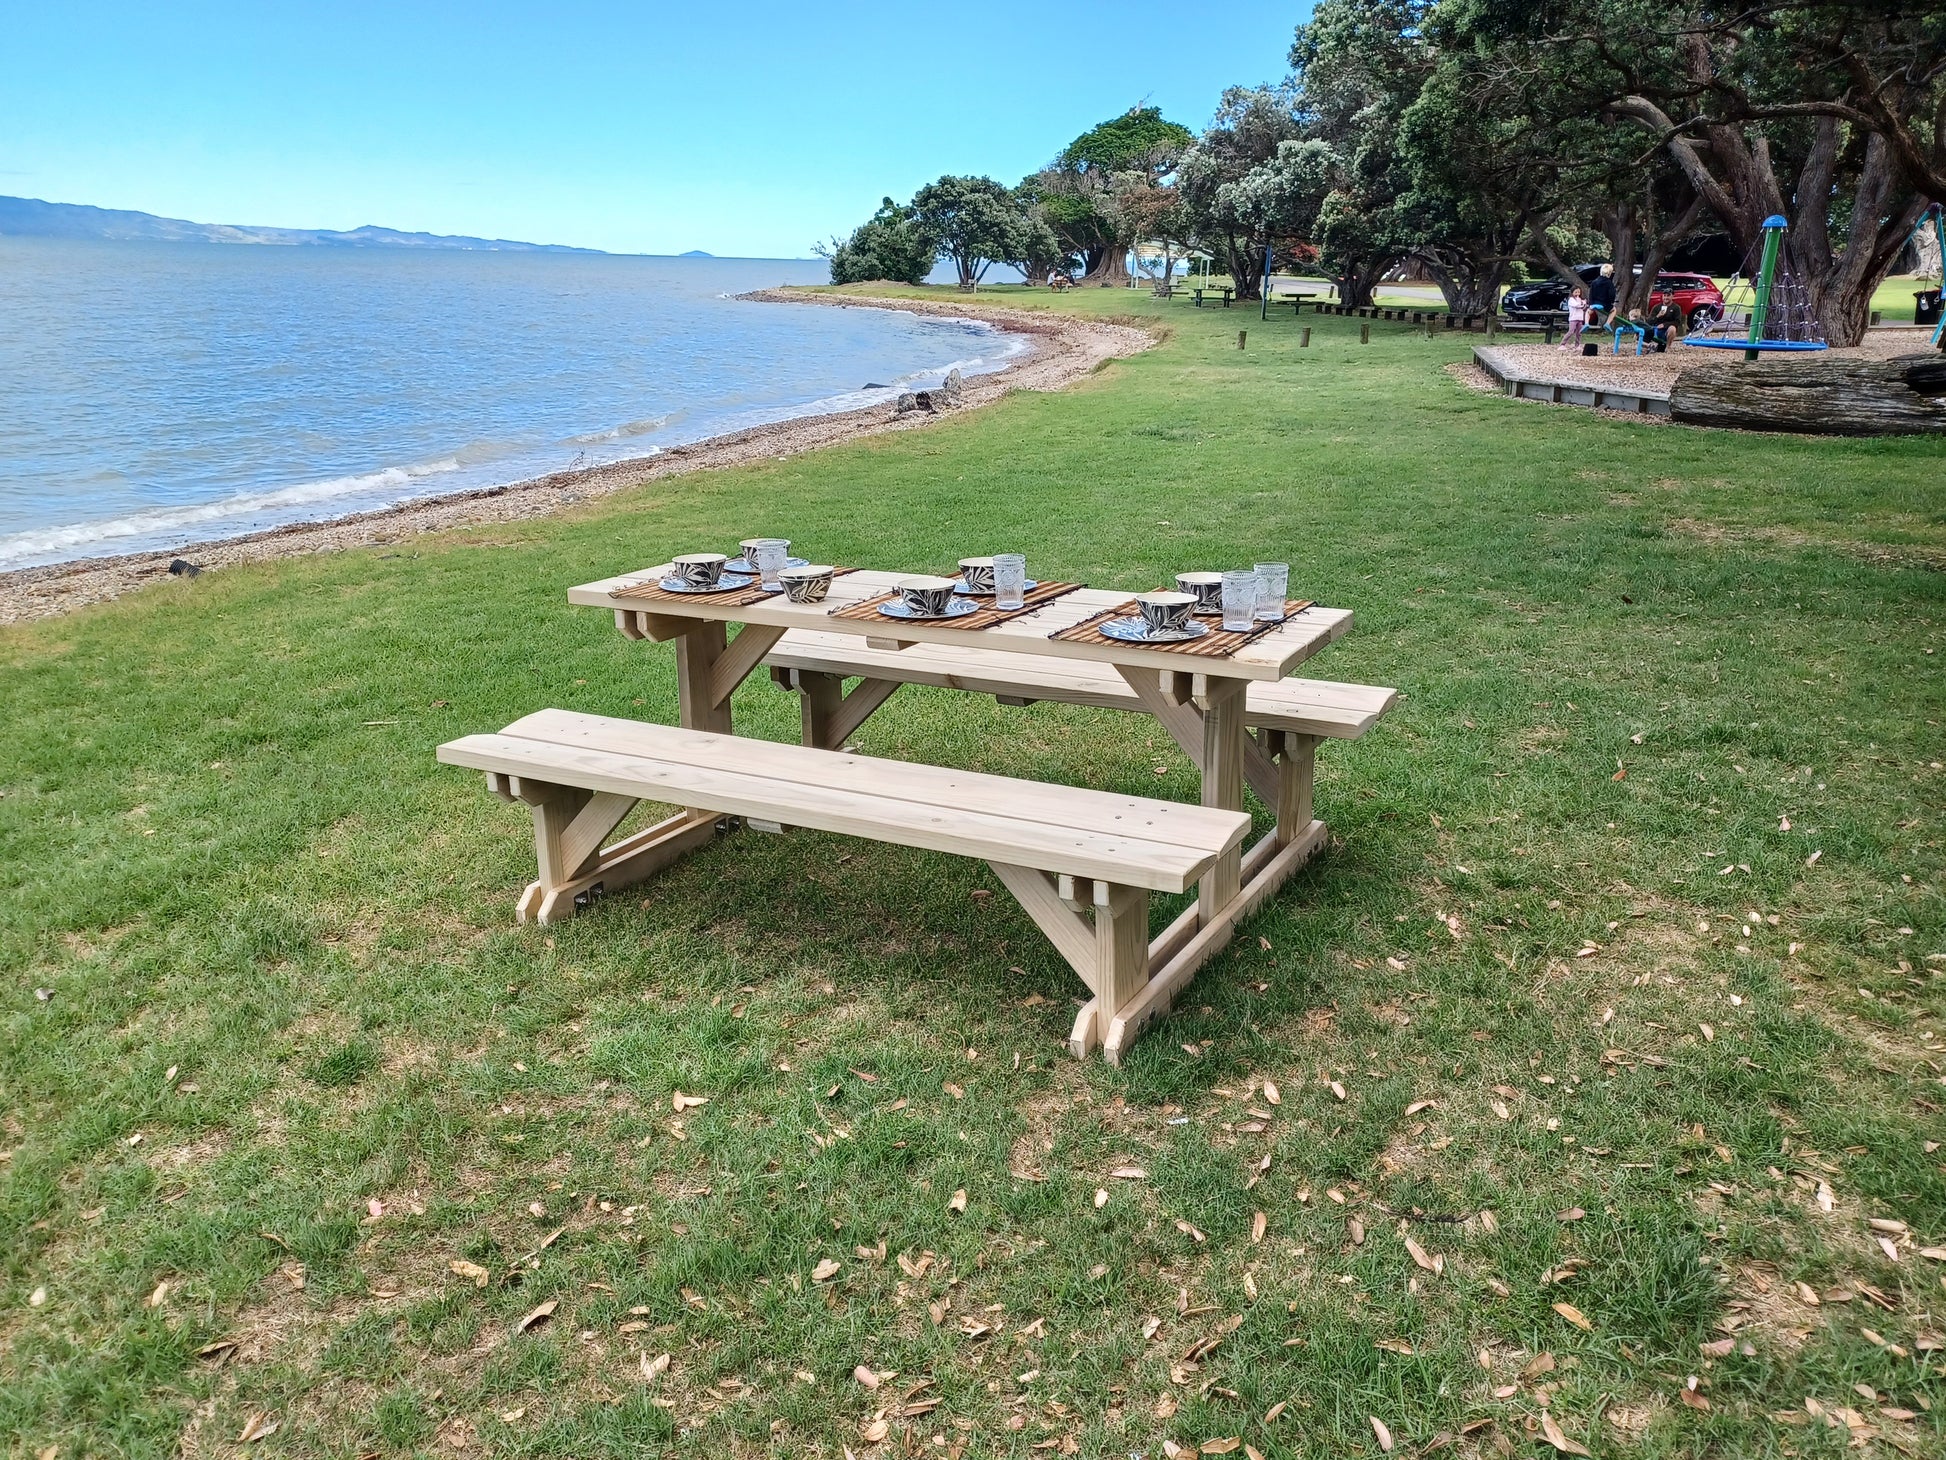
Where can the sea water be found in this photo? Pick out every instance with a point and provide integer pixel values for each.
(156, 394)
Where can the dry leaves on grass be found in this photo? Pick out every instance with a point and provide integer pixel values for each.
(260, 1426)
(1129, 1173)
(1551, 1432)
(538, 1315)
(826, 1270)
(1382, 1434)
(471, 1271)
(681, 1102)
(1575, 1316)
(1420, 1256)
(958, 1203)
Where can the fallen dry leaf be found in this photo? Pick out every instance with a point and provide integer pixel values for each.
(1418, 1255)
(158, 1297)
(1272, 1093)
(259, 1426)
(1337, 1090)
(865, 1376)
(958, 1203)
(1101, 1196)
(681, 1102)
(538, 1315)
(1575, 1316)
(1219, 1447)
(1190, 1231)
(1258, 1224)
(826, 1270)
(953, 1090)
(1418, 1105)
(1551, 1432)
(877, 1430)
(1129, 1173)
(651, 1367)
(1383, 1435)
(471, 1271)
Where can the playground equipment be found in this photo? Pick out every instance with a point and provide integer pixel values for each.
(1767, 309)
(1933, 221)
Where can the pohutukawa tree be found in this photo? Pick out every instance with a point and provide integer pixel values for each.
(973, 221)
(1109, 185)
(1830, 114)
(1246, 183)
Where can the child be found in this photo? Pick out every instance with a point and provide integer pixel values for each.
(1577, 318)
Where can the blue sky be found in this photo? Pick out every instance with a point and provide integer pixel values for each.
(750, 128)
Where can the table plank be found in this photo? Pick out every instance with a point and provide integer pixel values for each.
(1270, 657)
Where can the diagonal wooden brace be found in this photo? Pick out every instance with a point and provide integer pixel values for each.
(1110, 953)
(569, 826)
(829, 715)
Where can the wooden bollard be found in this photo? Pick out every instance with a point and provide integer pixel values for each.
(1242, 335)
(1304, 339)
(1364, 334)
(1428, 329)
(1491, 321)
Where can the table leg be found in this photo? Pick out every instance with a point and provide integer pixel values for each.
(1222, 767)
(696, 654)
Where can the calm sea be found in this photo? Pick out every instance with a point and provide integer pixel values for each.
(157, 394)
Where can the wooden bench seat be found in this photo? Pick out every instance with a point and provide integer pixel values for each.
(1081, 862)
(1285, 718)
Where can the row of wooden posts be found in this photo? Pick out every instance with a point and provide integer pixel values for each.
(1428, 318)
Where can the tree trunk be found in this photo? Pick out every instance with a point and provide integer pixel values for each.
(1110, 269)
(1818, 395)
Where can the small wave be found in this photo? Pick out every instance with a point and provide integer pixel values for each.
(40, 544)
(627, 431)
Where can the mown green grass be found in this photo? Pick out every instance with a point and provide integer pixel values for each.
(1628, 654)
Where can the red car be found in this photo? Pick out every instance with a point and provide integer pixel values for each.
(1696, 294)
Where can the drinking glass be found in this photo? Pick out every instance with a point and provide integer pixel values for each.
(1239, 598)
(1273, 579)
(1009, 580)
(772, 554)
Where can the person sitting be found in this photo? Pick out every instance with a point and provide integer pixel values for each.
(1665, 324)
(1601, 297)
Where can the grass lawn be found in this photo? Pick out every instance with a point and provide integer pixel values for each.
(1619, 995)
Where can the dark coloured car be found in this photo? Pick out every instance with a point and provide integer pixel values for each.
(1544, 298)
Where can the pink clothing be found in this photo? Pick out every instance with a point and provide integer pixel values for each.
(1577, 311)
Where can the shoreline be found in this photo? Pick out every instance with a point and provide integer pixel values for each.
(1061, 349)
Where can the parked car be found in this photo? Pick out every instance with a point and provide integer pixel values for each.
(1543, 298)
(1701, 301)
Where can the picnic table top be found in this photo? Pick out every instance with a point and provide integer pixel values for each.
(1271, 656)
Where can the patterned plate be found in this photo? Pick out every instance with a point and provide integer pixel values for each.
(738, 565)
(727, 583)
(1137, 631)
(958, 608)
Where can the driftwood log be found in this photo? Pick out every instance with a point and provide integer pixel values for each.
(1818, 395)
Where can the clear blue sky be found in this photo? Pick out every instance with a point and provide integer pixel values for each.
(749, 128)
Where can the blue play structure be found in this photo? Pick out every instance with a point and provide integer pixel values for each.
(1766, 310)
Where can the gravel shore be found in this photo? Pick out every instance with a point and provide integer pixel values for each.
(1061, 350)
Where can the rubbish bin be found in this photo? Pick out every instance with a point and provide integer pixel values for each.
(1925, 307)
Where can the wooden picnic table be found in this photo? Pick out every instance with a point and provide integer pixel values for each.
(1199, 700)
(1223, 290)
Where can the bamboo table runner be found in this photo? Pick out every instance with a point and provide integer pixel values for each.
(1218, 643)
(1042, 594)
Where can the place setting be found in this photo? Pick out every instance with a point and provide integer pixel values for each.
(763, 567)
(986, 591)
(1206, 613)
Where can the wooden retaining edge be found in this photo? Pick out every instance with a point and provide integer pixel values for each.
(1563, 393)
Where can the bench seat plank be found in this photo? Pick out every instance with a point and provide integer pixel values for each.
(1302, 706)
(1155, 845)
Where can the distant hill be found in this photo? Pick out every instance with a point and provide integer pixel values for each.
(32, 218)
(696, 253)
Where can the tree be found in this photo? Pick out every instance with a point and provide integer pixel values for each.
(888, 245)
(1240, 189)
(971, 220)
(1108, 184)
(1830, 114)
(1035, 248)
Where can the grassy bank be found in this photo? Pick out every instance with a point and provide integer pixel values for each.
(1640, 888)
